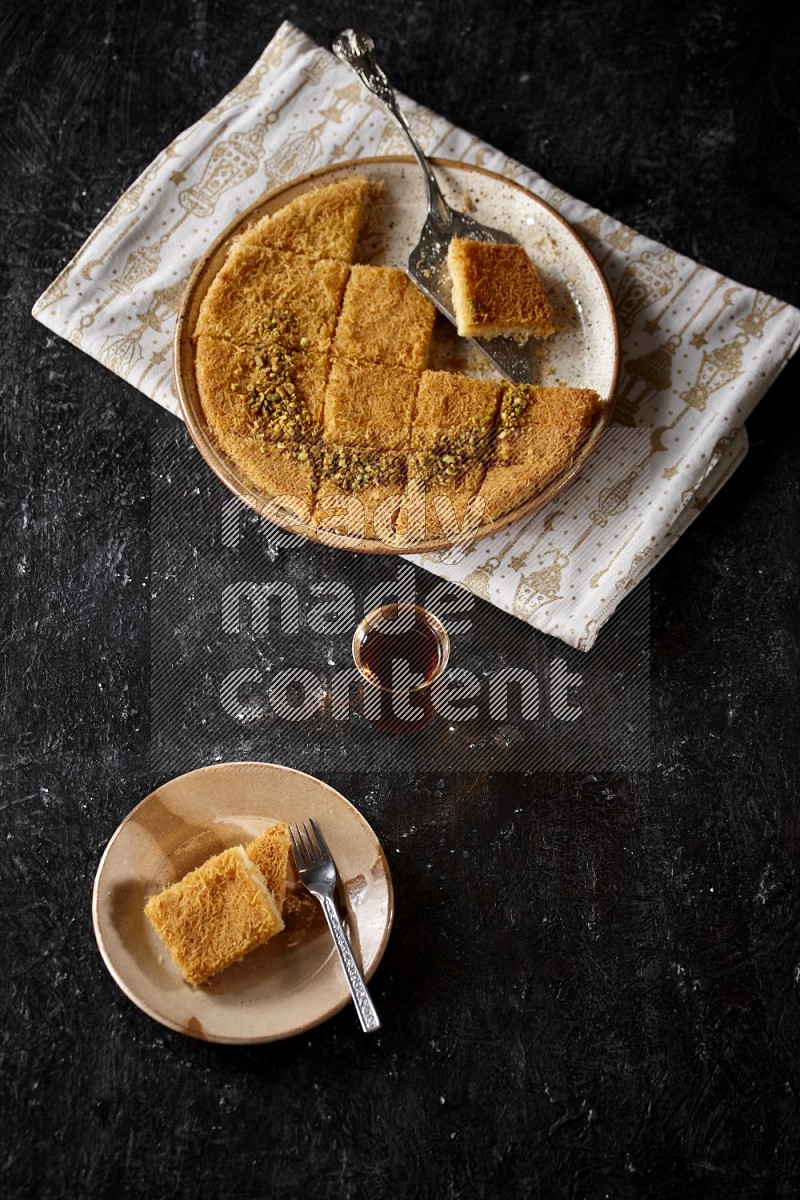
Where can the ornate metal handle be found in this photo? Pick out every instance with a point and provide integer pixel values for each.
(361, 998)
(357, 51)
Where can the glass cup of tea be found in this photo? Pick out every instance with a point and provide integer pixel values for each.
(400, 649)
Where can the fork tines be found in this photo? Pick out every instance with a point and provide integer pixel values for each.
(308, 847)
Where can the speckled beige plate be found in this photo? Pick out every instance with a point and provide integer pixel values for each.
(584, 353)
(293, 982)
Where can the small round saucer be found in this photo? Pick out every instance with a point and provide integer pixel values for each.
(293, 982)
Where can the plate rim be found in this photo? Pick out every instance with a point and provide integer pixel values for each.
(204, 1035)
(226, 472)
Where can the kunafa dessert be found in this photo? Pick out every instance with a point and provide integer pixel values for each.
(312, 371)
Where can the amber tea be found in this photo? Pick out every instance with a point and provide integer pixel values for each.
(400, 649)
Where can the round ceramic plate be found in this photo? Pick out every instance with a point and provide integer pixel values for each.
(293, 982)
(584, 353)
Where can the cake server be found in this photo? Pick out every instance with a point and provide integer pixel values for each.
(427, 263)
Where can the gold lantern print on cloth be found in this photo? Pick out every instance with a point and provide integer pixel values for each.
(717, 369)
(540, 588)
(644, 281)
(644, 378)
(230, 163)
(122, 351)
(612, 501)
(140, 264)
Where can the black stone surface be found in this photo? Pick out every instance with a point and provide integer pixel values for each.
(593, 984)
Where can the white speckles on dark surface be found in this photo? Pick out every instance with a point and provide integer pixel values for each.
(602, 980)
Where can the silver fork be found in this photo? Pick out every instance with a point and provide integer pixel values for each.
(427, 264)
(317, 871)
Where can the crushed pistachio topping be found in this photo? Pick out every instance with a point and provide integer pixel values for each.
(271, 395)
(516, 401)
(281, 417)
(355, 468)
(452, 453)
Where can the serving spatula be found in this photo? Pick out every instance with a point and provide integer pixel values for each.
(427, 263)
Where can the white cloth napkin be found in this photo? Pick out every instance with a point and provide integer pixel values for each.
(698, 350)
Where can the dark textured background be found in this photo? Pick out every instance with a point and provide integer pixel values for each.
(598, 993)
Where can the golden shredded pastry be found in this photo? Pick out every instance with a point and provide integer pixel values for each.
(312, 378)
(384, 319)
(542, 443)
(369, 405)
(497, 291)
(215, 915)
(270, 853)
(263, 389)
(255, 287)
(451, 440)
(322, 223)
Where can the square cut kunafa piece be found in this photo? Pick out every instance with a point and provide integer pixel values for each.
(265, 388)
(540, 430)
(270, 853)
(321, 223)
(368, 411)
(450, 441)
(369, 405)
(384, 319)
(260, 289)
(215, 915)
(497, 291)
(447, 402)
(368, 510)
(281, 474)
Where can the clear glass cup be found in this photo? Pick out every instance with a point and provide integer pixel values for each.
(400, 650)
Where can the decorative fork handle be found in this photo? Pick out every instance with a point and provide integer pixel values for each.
(361, 998)
(357, 51)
